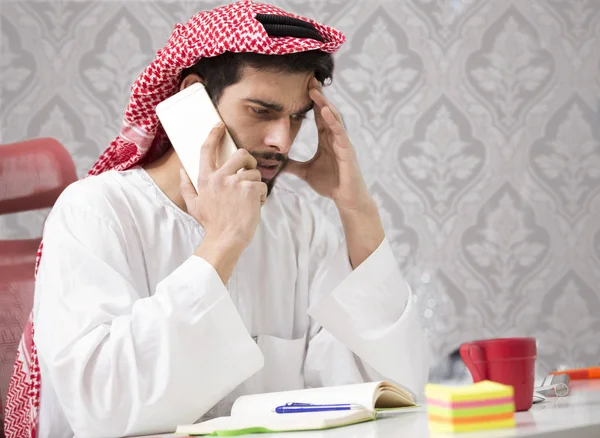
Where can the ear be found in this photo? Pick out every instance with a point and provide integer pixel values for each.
(189, 80)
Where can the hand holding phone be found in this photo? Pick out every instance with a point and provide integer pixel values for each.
(188, 118)
(227, 203)
(225, 200)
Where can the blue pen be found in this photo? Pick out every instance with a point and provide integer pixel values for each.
(296, 408)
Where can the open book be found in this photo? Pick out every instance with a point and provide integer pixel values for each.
(256, 413)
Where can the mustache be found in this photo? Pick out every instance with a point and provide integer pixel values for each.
(269, 156)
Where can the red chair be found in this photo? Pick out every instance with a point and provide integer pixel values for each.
(32, 175)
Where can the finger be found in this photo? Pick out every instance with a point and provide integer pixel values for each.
(249, 175)
(241, 159)
(341, 141)
(208, 153)
(296, 168)
(321, 101)
(314, 83)
(334, 124)
(256, 188)
(186, 187)
(263, 192)
(317, 111)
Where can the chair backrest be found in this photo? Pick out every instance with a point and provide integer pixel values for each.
(33, 173)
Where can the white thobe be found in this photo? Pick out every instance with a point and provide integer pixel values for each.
(137, 335)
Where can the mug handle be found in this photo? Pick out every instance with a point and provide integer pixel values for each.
(472, 356)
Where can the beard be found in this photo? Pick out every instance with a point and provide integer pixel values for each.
(271, 156)
(265, 156)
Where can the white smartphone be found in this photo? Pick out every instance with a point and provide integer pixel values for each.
(188, 117)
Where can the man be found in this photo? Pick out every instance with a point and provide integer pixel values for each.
(156, 305)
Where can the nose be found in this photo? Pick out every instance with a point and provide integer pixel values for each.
(279, 137)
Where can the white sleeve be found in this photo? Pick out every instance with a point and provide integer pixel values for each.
(364, 321)
(122, 362)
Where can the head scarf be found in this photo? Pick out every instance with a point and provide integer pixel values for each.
(232, 28)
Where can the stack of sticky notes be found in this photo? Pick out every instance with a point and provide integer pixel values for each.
(483, 405)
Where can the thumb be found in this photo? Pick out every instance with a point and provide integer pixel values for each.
(187, 188)
(296, 168)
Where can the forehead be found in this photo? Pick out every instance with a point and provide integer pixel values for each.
(289, 89)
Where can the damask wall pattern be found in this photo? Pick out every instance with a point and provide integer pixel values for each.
(477, 124)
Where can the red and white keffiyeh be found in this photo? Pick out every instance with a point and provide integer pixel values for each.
(232, 28)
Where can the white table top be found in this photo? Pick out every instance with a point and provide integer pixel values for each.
(575, 416)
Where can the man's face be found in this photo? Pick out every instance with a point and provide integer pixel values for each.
(263, 113)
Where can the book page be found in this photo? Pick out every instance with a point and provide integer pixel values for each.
(277, 423)
(392, 396)
(264, 404)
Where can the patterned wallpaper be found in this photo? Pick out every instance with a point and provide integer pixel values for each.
(476, 121)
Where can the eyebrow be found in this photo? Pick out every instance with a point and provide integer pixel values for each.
(277, 107)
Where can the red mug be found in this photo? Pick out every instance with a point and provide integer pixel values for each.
(510, 361)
